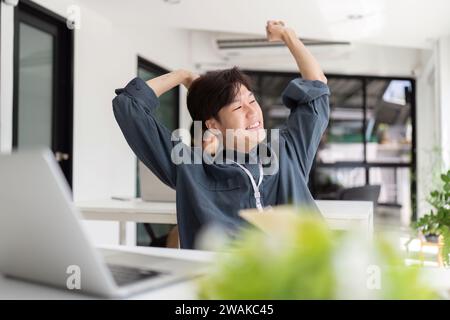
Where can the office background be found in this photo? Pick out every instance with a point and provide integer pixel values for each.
(73, 74)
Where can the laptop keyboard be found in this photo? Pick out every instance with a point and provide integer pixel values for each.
(127, 275)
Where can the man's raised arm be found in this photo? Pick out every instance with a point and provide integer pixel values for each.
(170, 80)
(307, 97)
(150, 140)
(307, 64)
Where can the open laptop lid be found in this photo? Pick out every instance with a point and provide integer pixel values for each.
(41, 235)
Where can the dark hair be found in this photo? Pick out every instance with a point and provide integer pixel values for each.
(212, 91)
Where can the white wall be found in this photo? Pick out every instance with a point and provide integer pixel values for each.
(428, 128)
(6, 79)
(433, 112)
(443, 76)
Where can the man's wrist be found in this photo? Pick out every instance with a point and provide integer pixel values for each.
(288, 34)
(183, 76)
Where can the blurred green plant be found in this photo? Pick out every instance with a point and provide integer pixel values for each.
(300, 263)
(437, 221)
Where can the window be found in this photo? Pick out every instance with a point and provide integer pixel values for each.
(369, 139)
(344, 138)
(169, 102)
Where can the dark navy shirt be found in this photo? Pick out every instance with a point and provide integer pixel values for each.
(213, 192)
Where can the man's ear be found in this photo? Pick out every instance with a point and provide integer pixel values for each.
(211, 123)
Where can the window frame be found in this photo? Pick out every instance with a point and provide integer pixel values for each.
(364, 163)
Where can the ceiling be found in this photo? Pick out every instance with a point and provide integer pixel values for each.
(403, 23)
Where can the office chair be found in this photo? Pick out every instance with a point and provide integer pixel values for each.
(364, 193)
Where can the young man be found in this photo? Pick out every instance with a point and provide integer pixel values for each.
(214, 192)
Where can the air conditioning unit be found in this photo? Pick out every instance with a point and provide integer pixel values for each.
(237, 47)
(254, 51)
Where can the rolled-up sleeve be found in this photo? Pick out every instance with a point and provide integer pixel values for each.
(310, 111)
(150, 140)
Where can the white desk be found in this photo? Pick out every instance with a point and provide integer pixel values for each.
(344, 215)
(438, 278)
(17, 289)
(124, 211)
(339, 214)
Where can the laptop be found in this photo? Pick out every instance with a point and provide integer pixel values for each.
(42, 238)
(153, 189)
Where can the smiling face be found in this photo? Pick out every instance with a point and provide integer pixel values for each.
(242, 120)
(222, 100)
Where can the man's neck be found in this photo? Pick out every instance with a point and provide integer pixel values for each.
(250, 157)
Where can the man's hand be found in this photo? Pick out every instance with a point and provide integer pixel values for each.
(276, 30)
(188, 78)
(307, 64)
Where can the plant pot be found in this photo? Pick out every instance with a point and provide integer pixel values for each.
(433, 238)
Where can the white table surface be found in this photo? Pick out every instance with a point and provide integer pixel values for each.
(18, 289)
(123, 211)
(339, 214)
(134, 210)
(165, 212)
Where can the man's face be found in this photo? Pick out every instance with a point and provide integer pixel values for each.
(244, 117)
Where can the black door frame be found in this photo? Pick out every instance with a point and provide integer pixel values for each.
(63, 54)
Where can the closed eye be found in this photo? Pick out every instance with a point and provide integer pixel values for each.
(252, 101)
(237, 108)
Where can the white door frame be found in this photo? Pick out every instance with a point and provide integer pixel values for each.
(6, 76)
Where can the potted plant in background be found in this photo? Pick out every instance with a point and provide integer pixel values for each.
(434, 227)
(297, 256)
